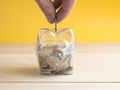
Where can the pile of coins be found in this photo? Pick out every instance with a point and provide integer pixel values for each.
(53, 60)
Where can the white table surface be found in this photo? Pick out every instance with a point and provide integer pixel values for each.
(97, 66)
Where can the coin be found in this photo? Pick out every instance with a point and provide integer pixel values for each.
(45, 71)
(55, 22)
(68, 71)
(53, 60)
(64, 62)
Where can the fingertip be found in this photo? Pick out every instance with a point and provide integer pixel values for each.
(50, 19)
(51, 22)
(59, 20)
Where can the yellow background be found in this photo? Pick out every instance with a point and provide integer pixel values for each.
(92, 21)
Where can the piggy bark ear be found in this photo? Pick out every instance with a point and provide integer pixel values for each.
(44, 35)
(41, 32)
(69, 35)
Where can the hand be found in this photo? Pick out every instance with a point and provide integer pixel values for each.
(49, 8)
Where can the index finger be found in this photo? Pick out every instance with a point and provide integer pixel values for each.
(48, 9)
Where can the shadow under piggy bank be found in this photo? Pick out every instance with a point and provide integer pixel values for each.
(24, 71)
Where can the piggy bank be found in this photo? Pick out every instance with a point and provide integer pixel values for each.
(56, 51)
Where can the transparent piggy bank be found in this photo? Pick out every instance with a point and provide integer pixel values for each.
(56, 51)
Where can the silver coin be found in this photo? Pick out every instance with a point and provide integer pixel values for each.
(54, 57)
(45, 73)
(68, 71)
(64, 62)
(52, 62)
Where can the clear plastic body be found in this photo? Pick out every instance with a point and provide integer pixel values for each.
(55, 51)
